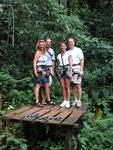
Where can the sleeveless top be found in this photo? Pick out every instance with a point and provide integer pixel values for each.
(42, 60)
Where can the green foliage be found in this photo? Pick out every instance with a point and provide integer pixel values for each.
(97, 135)
(12, 139)
(96, 16)
(38, 19)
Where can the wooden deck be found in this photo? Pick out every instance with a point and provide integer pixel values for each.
(47, 114)
(50, 115)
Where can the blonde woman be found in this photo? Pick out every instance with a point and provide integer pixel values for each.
(40, 71)
(65, 71)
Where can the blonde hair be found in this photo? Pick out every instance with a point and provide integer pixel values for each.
(38, 44)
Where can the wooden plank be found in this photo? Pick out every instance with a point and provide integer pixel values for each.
(18, 111)
(48, 106)
(76, 114)
(48, 116)
(38, 114)
(22, 115)
(60, 117)
(56, 107)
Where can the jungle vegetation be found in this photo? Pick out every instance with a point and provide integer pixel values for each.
(22, 23)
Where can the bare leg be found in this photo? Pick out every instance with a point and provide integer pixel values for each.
(42, 95)
(75, 93)
(67, 88)
(79, 91)
(37, 87)
(48, 91)
(63, 88)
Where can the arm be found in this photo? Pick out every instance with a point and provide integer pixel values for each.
(36, 57)
(70, 64)
(81, 67)
(53, 64)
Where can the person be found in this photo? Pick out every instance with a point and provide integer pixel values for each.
(50, 64)
(50, 59)
(40, 71)
(65, 71)
(77, 70)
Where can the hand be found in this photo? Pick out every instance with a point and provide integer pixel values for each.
(81, 73)
(36, 74)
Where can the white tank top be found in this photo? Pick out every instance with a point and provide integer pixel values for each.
(42, 60)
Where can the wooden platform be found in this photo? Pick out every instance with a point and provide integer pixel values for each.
(50, 115)
(47, 114)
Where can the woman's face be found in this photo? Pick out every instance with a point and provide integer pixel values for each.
(63, 47)
(42, 46)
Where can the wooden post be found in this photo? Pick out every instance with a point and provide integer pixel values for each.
(68, 136)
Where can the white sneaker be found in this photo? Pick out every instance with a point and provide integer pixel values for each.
(75, 102)
(79, 103)
(67, 104)
(63, 103)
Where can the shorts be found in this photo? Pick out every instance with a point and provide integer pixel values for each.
(76, 79)
(50, 80)
(40, 80)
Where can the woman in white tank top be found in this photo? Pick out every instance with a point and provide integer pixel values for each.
(39, 66)
(65, 71)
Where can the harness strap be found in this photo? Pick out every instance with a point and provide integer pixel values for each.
(76, 64)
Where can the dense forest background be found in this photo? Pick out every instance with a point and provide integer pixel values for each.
(22, 23)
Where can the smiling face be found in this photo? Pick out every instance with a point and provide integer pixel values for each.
(41, 45)
(63, 47)
(48, 43)
(71, 43)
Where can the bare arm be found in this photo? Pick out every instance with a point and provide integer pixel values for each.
(70, 64)
(81, 67)
(81, 64)
(53, 64)
(36, 57)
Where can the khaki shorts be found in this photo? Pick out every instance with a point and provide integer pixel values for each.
(76, 79)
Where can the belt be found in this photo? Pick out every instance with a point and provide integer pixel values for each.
(49, 65)
(64, 65)
(76, 64)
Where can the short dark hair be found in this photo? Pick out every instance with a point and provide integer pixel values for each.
(72, 37)
(63, 42)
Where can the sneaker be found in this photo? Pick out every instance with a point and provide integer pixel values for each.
(79, 103)
(63, 104)
(75, 102)
(67, 104)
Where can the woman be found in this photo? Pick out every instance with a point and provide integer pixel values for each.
(40, 71)
(65, 71)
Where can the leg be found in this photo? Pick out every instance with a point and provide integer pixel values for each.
(37, 92)
(42, 92)
(47, 91)
(63, 88)
(67, 88)
(79, 91)
(74, 88)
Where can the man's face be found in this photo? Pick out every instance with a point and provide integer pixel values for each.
(71, 43)
(48, 43)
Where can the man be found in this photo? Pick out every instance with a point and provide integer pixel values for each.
(77, 69)
(50, 64)
(50, 58)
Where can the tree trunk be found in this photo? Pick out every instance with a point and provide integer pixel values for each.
(69, 7)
